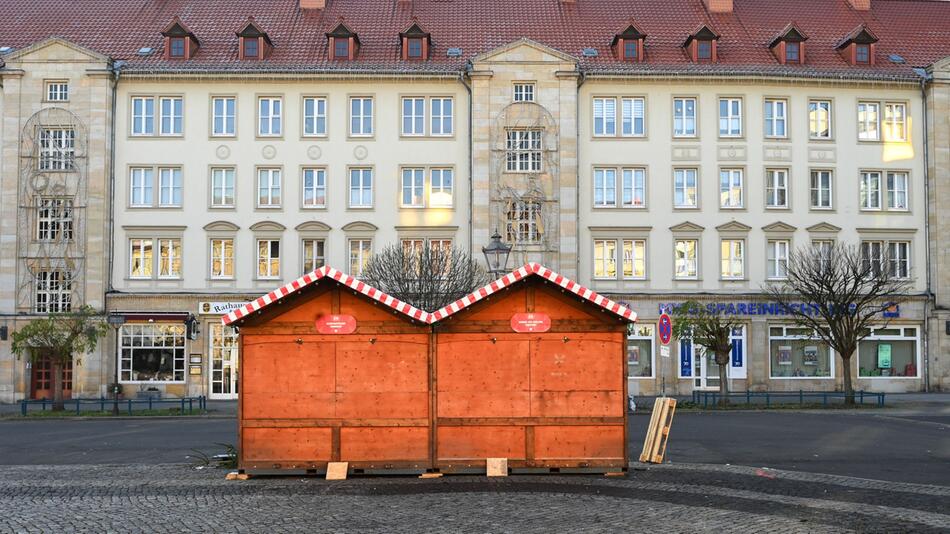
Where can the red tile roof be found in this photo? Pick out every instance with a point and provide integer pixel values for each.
(917, 30)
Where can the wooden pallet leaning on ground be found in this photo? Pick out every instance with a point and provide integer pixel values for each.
(654, 446)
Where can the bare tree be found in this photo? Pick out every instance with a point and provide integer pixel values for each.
(426, 277)
(710, 328)
(839, 292)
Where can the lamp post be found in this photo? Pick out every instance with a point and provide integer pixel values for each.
(496, 255)
(116, 321)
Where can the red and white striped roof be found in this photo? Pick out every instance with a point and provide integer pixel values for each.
(326, 272)
(529, 270)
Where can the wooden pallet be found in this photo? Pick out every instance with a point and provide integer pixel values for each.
(654, 446)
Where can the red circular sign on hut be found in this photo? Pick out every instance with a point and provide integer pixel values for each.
(336, 324)
(530, 322)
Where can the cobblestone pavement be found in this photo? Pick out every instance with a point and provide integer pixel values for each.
(668, 498)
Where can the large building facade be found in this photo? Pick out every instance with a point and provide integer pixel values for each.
(655, 155)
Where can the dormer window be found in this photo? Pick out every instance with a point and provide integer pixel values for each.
(789, 45)
(253, 42)
(176, 47)
(862, 53)
(792, 54)
(628, 44)
(342, 43)
(704, 50)
(251, 48)
(341, 49)
(180, 42)
(415, 48)
(702, 45)
(858, 46)
(415, 42)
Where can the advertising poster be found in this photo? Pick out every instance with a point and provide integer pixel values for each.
(785, 355)
(884, 356)
(810, 355)
(633, 355)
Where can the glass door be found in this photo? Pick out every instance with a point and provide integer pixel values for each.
(224, 362)
(705, 370)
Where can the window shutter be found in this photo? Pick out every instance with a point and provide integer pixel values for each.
(686, 358)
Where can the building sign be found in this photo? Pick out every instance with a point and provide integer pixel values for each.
(771, 309)
(336, 324)
(665, 327)
(218, 308)
(530, 322)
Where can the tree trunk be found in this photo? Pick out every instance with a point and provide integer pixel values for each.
(846, 374)
(723, 379)
(56, 365)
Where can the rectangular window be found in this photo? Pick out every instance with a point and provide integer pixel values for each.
(820, 189)
(730, 188)
(54, 219)
(361, 116)
(314, 254)
(169, 187)
(898, 256)
(57, 91)
(222, 258)
(792, 50)
(631, 49)
(524, 222)
(605, 188)
(895, 122)
(52, 292)
(141, 187)
(251, 47)
(524, 92)
(442, 118)
(685, 188)
(143, 115)
(223, 113)
(442, 186)
(314, 116)
(171, 115)
(361, 187)
(414, 48)
(605, 258)
(140, 258)
(57, 149)
(684, 117)
(892, 352)
(893, 255)
(341, 48)
(523, 151)
(776, 188)
(605, 116)
(685, 258)
(704, 49)
(798, 353)
(777, 264)
(314, 188)
(152, 352)
(176, 47)
(897, 191)
(862, 53)
(269, 116)
(222, 187)
(819, 119)
(413, 188)
(872, 256)
(634, 188)
(169, 258)
(730, 117)
(869, 121)
(268, 188)
(633, 120)
(870, 190)
(640, 354)
(823, 248)
(634, 258)
(775, 118)
(732, 256)
(268, 258)
(413, 116)
(360, 252)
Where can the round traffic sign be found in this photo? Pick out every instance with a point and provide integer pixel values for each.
(665, 327)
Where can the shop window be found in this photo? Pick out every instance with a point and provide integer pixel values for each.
(798, 353)
(890, 352)
(640, 353)
(152, 353)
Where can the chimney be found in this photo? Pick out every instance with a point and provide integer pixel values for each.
(313, 4)
(721, 6)
(860, 5)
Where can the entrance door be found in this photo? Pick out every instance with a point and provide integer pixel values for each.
(224, 362)
(41, 379)
(705, 370)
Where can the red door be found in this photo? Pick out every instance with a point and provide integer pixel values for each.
(41, 381)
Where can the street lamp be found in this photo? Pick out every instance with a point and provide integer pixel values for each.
(496, 255)
(116, 321)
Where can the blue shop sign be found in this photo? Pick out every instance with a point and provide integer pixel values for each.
(772, 309)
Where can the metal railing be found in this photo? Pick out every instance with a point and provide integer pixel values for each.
(105, 404)
(711, 398)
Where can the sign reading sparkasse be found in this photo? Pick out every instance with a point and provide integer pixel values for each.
(336, 324)
(530, 322)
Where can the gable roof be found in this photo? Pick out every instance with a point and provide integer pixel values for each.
(311, 278)
(251, 28)
(789, 32)
(526, 271)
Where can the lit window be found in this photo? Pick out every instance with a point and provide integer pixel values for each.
(685, 188)
(171, 116)
(140, 187)
(52, 292)
(268, 258)
(413, 188)
(733, 264)
(895, 122)
(222, 258)
(523, 151)
(897, 191)
(862, 53)
(169, 187)
(775, 118)
(415, 48)
(730, 117)
(776, 188)
(685, 258)
(140, 258)
(251, 47)
(222, 187)
(870, 190)
(777, 260)
(605, 116)
(633, 122)
(57, 91)
(268, 188)
(605, 258)
(176, 47)
(524, 222)
(730, 188)
(634, 258)
(314, 188)
(819, 119)
(361, 116)
(54, 219)
(314, 116)
(269, 116)
(57, 149)
(314, 254)
(361, 250)
(524, 92)
(143, 115)
(361, 187)
(413, 116)
(820, 189)
(152, 352)
(441, 184)
(684, 117)
(868, 121)
(169, 258)
(442, 118)
(222, 122)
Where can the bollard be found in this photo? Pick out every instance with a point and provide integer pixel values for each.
(182, 411)
(190, 405)
(23, 407)
(102, 404)
(130, 406)
(801, 397)
(77, 406)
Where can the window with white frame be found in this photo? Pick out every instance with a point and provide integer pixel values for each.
(777, 259)
(823, 248)
(169, 187)
(223, 109)
(632, 117)
(870, 190)
(895, 122)
(872, 256)
(52, 291)
(892, 255)
(730, 117)
(524, 222)
(143, 115)
(630, 189)
(898, 257)
(314, 116)
(269, 116)
(819, 119)
(633, 188)
(314, 254)
(360, 252)
(605, 116)
(441, 184)
(524, 92)
(152, 352)
(869, 121)
(57, 149)
(776, 188)
(776, 117)
(361, 116)
(733, 259)
(169, 258)
(891, 351)
(523, 150)
(605, 188)
(685, 258)
(605, 258)
(268, 258)
(361, 187)
(54, 219)
(640, 357)
(685, 188)
(314, 187)
(820, 189)
(684, 117)
(730, 188)
(413, 188)
(796, 352)
(222, 258)
(897, 191)
(140, 258)
(633, 259)
(442, 111)
(413, 116)
(171, 113)
(268, 188)
(140, 187)
(57, 91)
(222, 187)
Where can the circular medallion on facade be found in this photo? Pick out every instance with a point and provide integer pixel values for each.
(223, 152)
(360, 152)
(314, 152)
(269, 152)
(40, 182)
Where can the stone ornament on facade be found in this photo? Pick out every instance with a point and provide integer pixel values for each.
(360, 152)
(223, 152)
(314, 152)
(269, 152)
